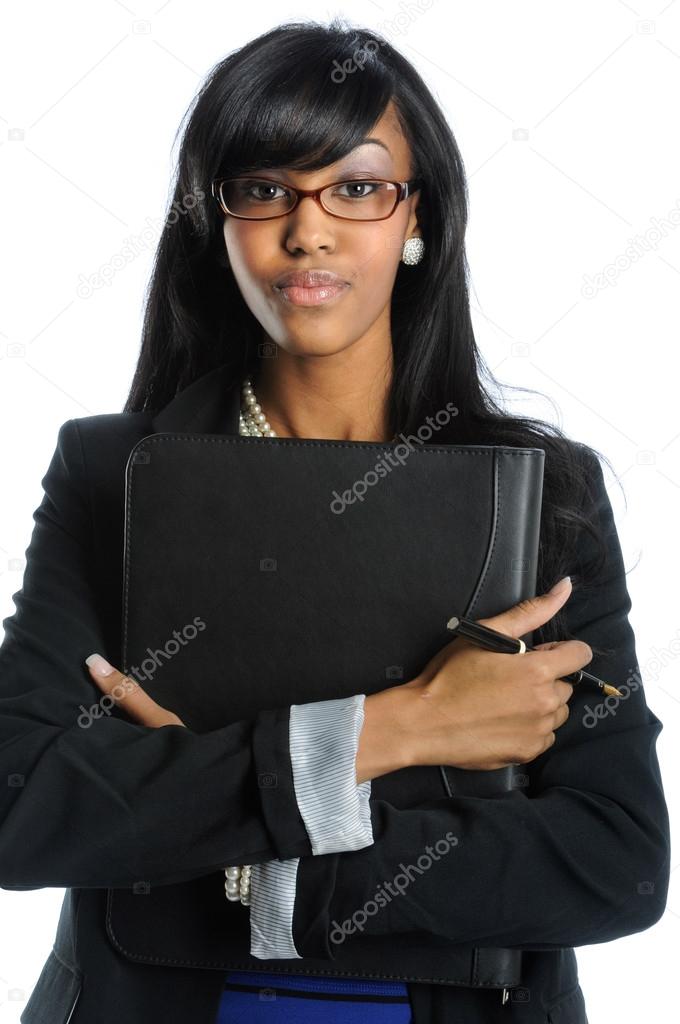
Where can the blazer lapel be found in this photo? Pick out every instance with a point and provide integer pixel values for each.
(210, 404)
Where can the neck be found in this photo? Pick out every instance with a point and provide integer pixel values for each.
(309, 398)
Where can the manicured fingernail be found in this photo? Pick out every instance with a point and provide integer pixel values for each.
(560, 585)
(99, 664)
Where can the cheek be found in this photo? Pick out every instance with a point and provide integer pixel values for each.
(249, 249)
(247, 246)
(376, 259)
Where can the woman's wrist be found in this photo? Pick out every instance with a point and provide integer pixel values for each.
(386, 742)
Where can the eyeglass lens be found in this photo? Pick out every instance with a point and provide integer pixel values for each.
(360, 200)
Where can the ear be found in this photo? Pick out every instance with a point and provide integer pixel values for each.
(413, 226)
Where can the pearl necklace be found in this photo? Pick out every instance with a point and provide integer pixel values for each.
(252, 420)
(252, 423)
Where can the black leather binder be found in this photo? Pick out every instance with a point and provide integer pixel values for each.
(297, 570)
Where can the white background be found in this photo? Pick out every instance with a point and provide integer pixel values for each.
(566, 116)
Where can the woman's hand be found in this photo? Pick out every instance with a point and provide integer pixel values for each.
(477, 709)
(129, 694)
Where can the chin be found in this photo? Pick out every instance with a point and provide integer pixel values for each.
(310, 339)
(316, 346)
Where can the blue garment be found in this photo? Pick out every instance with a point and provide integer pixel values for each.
(261, 998)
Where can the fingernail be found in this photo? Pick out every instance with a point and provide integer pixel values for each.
(99, 664)
(560, 585)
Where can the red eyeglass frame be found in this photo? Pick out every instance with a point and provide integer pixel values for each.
(405, 189)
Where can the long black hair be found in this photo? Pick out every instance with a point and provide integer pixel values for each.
(302, 96)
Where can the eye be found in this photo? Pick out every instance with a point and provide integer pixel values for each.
(254, 190)
(373, 185)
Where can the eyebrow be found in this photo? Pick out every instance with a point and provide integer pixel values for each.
(376, 142)
(364, 141)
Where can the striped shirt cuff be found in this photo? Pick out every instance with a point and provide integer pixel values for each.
(272, 902)
(324, 737)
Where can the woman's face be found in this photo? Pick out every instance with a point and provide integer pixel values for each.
(365, 254)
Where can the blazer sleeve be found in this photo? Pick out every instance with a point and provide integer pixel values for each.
(577, 855)
(104, 803)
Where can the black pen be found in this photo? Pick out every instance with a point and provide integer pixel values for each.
(501, 643)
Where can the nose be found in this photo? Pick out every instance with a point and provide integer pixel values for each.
(309, 227)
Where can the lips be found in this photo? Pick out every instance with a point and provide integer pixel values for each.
(310, 279)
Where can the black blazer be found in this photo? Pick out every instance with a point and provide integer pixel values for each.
(583, 858)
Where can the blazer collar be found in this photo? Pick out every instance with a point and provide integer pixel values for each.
(211, 405)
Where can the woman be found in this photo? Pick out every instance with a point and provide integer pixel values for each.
(314, 265)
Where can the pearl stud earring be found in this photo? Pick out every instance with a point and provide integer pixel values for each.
(412, 251)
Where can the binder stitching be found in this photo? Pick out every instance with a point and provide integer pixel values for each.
(495, 529)
(241, 965)
(313, 443)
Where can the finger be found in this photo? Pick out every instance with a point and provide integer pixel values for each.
(566, 656)
(531, 613)
(552, 645)
(564, 690)
(127, 692)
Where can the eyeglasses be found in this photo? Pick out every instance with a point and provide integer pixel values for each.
(256, 198)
